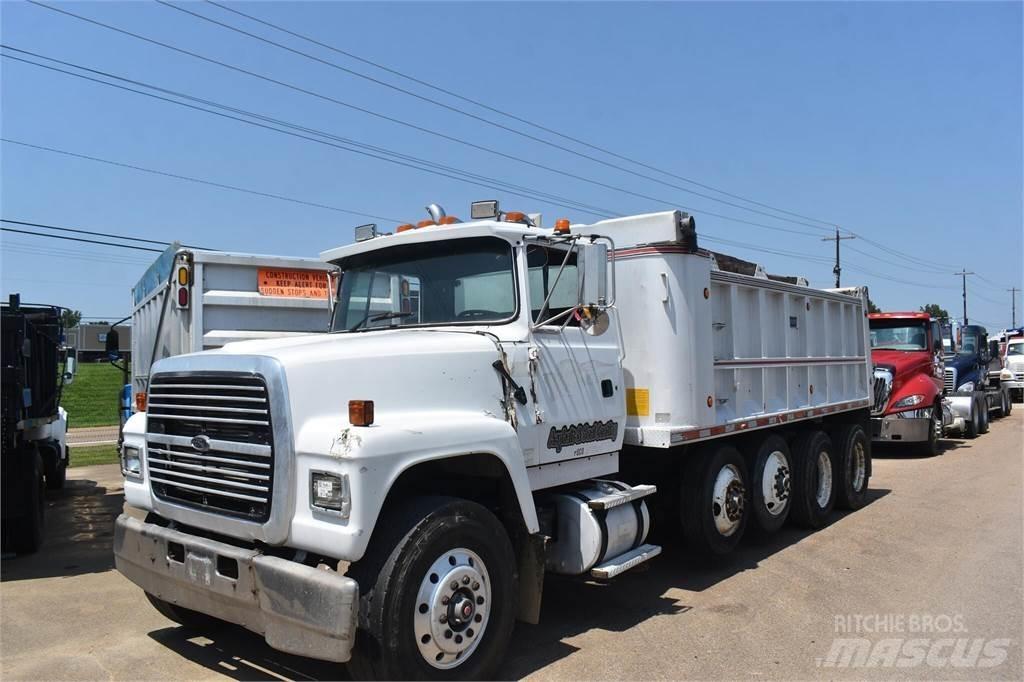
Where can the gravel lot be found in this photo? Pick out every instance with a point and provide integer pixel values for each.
(935, 556)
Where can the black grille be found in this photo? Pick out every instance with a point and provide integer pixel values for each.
(210, 443)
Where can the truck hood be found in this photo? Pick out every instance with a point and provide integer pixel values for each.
(406, 372)
(903, 363)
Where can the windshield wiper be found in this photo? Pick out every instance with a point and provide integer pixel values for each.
(377, 318)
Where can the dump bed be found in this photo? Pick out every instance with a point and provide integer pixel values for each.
(710, 352)
(191, 300)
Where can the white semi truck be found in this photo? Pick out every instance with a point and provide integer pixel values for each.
(412, 476)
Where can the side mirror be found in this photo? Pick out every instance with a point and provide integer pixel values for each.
(113, 345)
(592, 270)
(70, 365)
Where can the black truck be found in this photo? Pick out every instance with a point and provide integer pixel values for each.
(35, 455)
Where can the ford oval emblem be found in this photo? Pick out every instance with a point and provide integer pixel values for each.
(201, 443)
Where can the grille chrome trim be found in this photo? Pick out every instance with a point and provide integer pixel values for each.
(203, 369)
(211, 458)
(223, 493)
(949, 380)
(193, 396)
(234, 473)
(881, 390)
(222, 387)
(215, 481)
(210, 408)
(212, 420)
(215, 444)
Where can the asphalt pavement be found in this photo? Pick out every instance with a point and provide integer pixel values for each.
(925, 582)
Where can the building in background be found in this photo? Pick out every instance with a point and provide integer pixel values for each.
(91, 341)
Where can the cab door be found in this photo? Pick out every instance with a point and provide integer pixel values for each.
(575, 367)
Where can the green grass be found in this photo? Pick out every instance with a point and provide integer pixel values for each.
(94, 454)
(92, 399)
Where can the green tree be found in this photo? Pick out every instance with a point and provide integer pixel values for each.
(935, 311)
(70, 318)
(872, 308)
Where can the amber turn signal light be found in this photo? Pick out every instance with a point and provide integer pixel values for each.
(360, 412)
(140, 401)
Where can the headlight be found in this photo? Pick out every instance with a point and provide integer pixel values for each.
(329, 492)
(966, 387)
(1005, 375)
(909, 401)
(131, 462)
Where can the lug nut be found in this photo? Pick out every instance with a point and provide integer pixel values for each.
(445, 600)
(443, 618)
(454, 585)
(465, 580)
(476, 586)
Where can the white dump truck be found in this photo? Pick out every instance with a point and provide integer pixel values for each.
(497, 400)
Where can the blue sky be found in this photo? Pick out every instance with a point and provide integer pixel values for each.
(901, 122)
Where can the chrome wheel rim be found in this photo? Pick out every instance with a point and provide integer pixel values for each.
(824, 492)
(728, 500)
(452, 608)
(775, 483)
(860, 467)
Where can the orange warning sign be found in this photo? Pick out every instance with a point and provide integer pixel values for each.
(292, 283)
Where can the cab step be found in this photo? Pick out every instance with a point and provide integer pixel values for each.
(624, 562)
(620, 497)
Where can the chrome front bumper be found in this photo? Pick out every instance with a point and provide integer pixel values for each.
(899, 429)
(297, 608)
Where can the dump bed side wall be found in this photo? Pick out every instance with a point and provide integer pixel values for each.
(710, 352)
(225, 306)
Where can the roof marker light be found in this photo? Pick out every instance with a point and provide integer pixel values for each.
(425, 223)
(515, 217)
(404, 227)
(562, 226)
(448, 220)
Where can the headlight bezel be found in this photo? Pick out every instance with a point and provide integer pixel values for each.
(131, 472)
(966, 387)
(337, 501)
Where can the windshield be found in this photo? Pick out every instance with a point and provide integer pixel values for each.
(968, 343)
(450, 281)
(1015, 349)
(899, 335)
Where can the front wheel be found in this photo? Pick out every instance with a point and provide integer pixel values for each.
(853, 459)
(438, 592)
(930, 447)
(973, 428)
(983, 414)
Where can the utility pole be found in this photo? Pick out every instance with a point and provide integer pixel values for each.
(1013, 305)
(963, 274)
(836, 270)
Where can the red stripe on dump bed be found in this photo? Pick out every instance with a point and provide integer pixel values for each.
(761, 422)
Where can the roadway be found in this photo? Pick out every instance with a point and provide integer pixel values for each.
(935, 557)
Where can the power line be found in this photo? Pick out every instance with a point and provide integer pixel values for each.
(79, 239)
(404, 123)
(434, 171)
(470, 115)
(837, 270)
(509, 115)
(200, 181)
(90, 232)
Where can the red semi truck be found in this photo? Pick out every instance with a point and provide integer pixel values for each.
(907, 354)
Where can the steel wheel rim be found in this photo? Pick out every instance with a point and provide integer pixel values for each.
(775, 483)
(452, 608)
(860, 467)
(728, 500)
(824, 492)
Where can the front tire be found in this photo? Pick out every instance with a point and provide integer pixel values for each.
(973, 428)
(27, 533)
(713, 508)
(814, 489)
(930, 447)
(983, 414)
(437, 594)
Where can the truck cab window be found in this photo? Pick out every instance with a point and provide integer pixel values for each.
(544, 263)
(452, 281)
